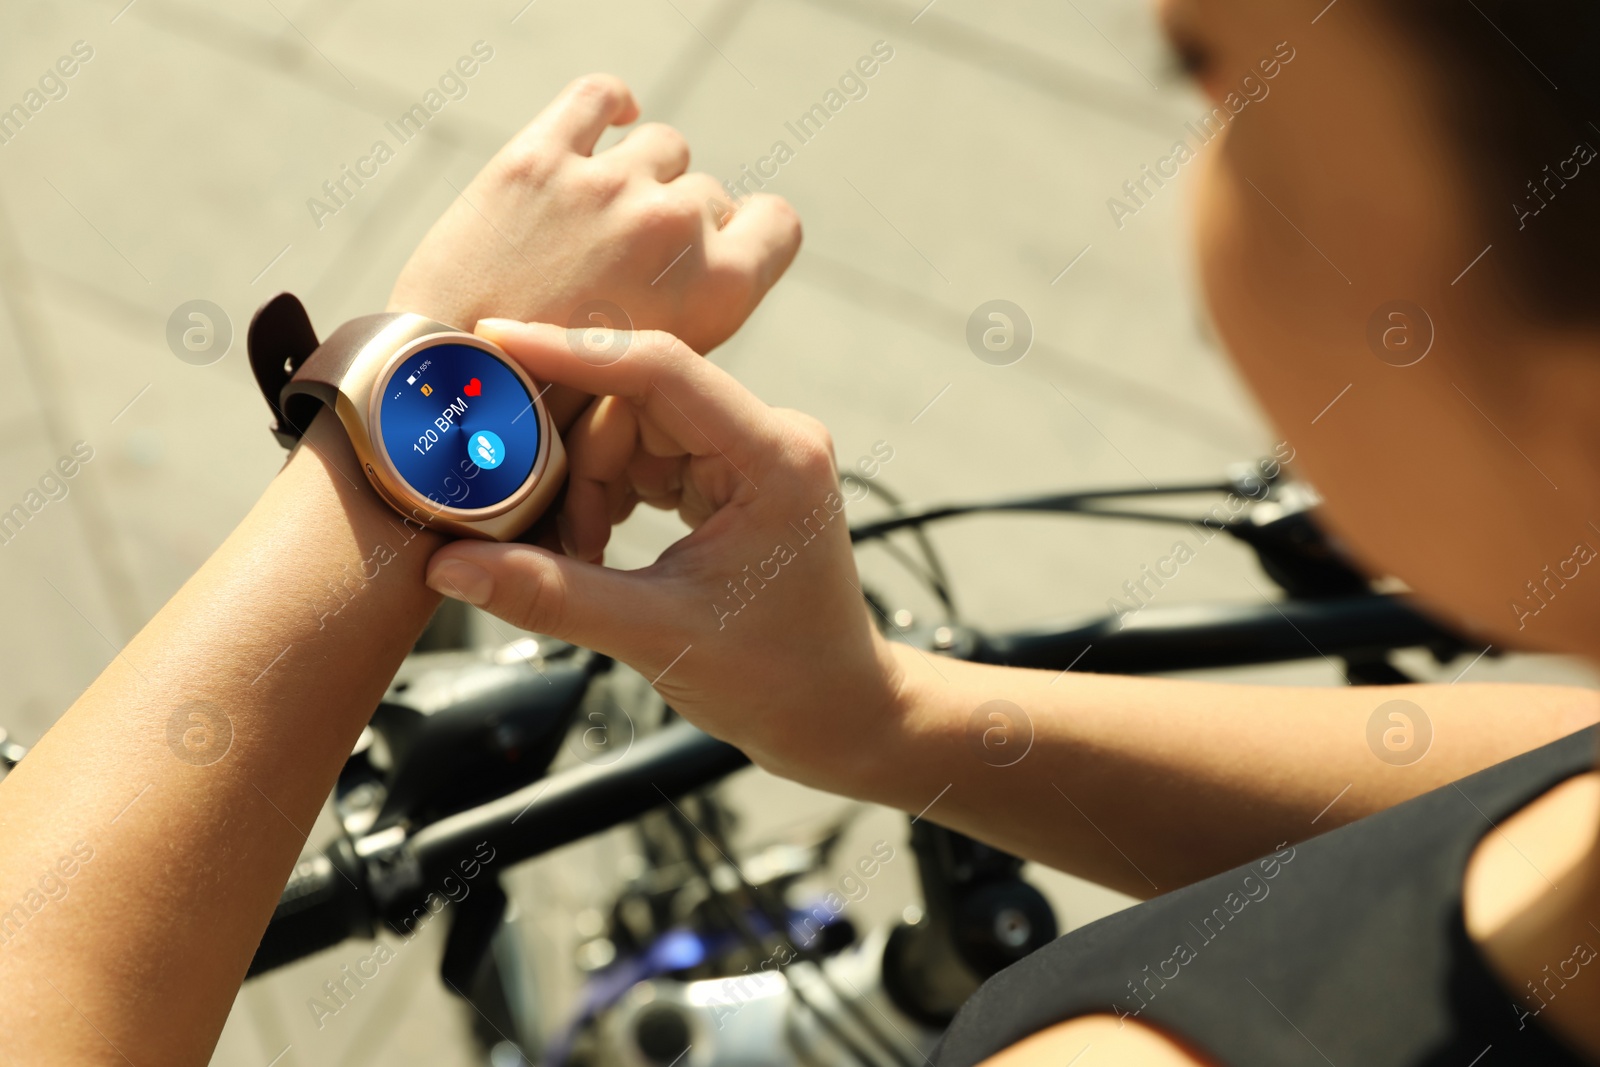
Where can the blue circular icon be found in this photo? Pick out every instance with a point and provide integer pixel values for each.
(486, 449)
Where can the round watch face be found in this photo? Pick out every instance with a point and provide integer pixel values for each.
(459, 425)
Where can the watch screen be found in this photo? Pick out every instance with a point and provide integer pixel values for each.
(459, 426)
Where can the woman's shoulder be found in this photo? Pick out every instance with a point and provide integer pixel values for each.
(1268, 962)
(1124, 1042)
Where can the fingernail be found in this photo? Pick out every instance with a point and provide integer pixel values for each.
(460, 580)
(498, 325)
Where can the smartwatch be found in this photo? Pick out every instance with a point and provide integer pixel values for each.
(449, 429)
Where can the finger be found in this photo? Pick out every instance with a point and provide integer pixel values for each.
(658, 481)
(656, 441)
(599, 447)
(620, 501)
(617, 613)
(706, 191)
(758, 242)
(694, 507)
(585, 521)
(576, 118)
(601, 443)
(565, 405)
(653, 148)
(697, 405)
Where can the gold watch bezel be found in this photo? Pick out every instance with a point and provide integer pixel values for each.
(360, 403)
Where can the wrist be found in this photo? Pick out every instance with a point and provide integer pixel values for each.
(895, 749)
(920, 747)
(338, 508)
(453, 309)
(918, 743)
(862, 747)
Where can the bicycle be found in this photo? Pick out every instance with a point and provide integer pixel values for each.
(711, 960)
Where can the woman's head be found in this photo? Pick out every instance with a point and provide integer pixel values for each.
(1431, 349)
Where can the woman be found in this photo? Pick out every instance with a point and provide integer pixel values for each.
(1375, 172)
(1408, 152)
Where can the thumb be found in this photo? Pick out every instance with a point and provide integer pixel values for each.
(586, 604)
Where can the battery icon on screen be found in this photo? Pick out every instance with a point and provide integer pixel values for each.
(411, 380)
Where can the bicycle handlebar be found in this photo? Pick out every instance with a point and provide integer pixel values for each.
(577, 803)
(1162, 639)
(324, 903)
(382, 877)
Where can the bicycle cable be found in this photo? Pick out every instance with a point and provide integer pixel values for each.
(779, 921)
(1057, 503)
(752, 939)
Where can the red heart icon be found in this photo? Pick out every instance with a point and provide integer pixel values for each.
(473, 388)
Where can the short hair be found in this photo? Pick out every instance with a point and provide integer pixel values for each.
(1519, 87)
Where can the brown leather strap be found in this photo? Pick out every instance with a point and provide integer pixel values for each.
(317, 381)
(296, 373)
(280, 339)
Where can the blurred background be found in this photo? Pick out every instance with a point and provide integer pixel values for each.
(178, 166)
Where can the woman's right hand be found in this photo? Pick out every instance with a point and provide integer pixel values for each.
(753, 626)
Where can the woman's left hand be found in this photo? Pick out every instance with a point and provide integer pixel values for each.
(549, 225)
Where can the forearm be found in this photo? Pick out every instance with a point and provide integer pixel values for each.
(1150, 784)
(286, 638)
(291, 631)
